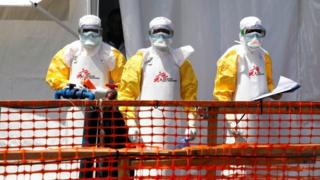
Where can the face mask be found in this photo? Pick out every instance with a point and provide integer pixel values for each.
(90, 39)
(161, 41)
(253, 40)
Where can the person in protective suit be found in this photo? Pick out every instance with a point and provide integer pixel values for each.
(244, 72)
(159, 72)
(91, 60)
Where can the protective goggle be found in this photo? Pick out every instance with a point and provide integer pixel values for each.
(161, 35)
(259, 32)
(252, 35)
(163, 31)
(94, 29)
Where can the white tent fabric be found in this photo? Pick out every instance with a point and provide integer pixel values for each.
(27, 46)
(211, 26)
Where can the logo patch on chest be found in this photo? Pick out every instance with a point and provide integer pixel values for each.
(85, 74)
(255, 71)
(163, 77)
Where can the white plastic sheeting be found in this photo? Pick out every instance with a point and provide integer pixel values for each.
(27, 47)
(211, 26)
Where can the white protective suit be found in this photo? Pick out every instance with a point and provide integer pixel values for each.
(76, 62)
(243, 73)
(87, 58)
(159, 73)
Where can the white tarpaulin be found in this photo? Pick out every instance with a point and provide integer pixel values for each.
(28, 41)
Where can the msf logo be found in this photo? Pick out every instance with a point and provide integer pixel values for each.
(163, 77)
(254, 71)
(83, 74)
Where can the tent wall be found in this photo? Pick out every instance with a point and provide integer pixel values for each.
(58, 8)
(211, 26)
(27, 46)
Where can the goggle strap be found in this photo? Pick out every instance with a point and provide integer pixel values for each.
(242, 32)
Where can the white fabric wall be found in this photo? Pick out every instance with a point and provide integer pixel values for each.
(211, 26)
(26, 49)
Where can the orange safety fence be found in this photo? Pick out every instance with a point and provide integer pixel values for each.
(89, 139)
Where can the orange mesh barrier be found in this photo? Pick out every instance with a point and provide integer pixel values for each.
(89, 139)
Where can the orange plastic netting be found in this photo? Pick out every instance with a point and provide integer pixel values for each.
(89, 139)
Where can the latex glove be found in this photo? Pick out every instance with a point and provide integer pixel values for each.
(134, 131)
(100, 93)
(191, 131)
(134, 134)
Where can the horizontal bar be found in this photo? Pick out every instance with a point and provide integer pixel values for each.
(244, 151)
(211, 107)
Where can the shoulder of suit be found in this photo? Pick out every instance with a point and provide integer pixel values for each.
(232, 51)
(137, 58)
(70, 51)
(182, 54)
(73, 48)
(142, 54)
(106, 48)
(143, 51)
(107, 51)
